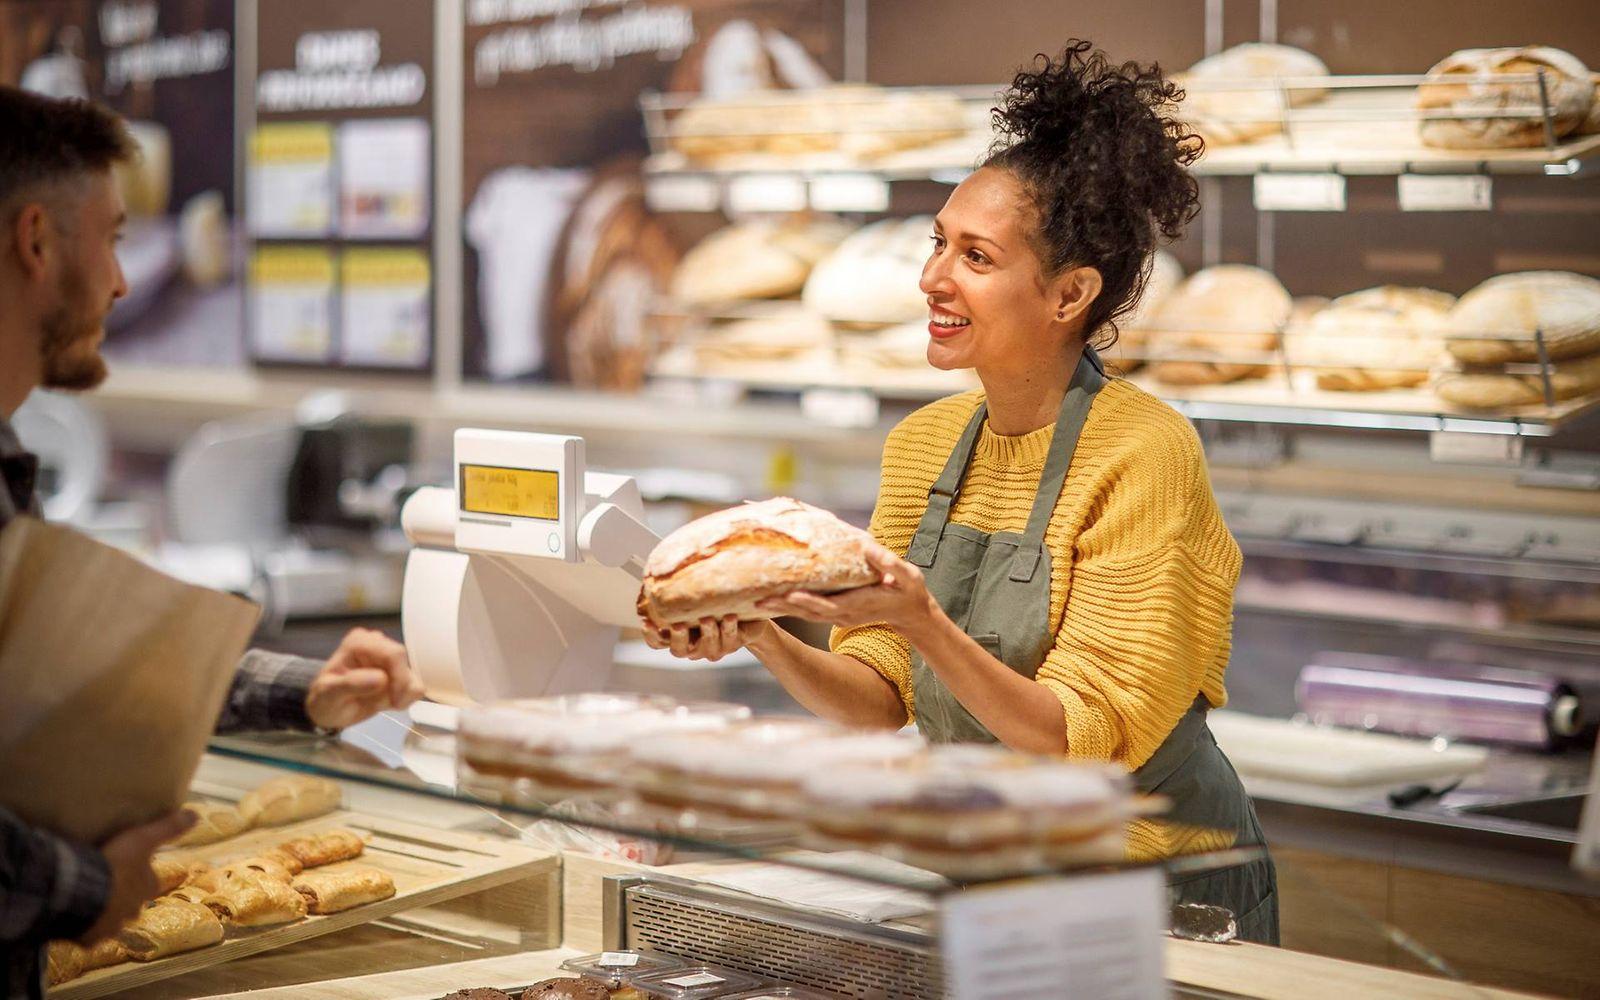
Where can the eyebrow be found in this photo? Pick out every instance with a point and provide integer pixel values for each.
(967, 237)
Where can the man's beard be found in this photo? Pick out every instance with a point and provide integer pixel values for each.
(70, 354)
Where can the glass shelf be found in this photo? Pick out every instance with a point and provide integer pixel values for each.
(408, 759)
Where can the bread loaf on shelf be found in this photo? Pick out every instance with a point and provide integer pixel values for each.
(170, 926)
(215, 821)
(725, 563)
(285, 800)
(787, 332)
(1166, 274)
(1498, 390)
(872, 279)
(1347, 343)
(1464, 82)
(1226, 117)
(1218, 326)
(858, 121)
(764, 258)
(1563, 307)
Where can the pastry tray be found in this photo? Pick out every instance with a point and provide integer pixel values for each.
(428, 866)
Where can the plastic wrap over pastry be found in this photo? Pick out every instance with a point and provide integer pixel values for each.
(325, 848)
(726, 563)
(285, 800)
(1563, 307)
(1466, 82)
(170, 926)
(257, 900)
(213, 822)
(354, 885)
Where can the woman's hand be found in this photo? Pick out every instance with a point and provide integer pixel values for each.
(710, 640)
(900, 600)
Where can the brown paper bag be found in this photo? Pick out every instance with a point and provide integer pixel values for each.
(111, 678)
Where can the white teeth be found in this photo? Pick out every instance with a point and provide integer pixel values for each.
(942, 319)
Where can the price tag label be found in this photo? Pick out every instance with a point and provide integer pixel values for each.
(1083, 936)
(1299, 192)
(1469, 448)
(697, 979)
(1445, 193)
(767, 193)
(618, 960)
(849, 193)
(685, 193)
(840, 407)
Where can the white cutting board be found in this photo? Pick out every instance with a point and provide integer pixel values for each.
(1319, 755)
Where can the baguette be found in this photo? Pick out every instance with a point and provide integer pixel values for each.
(285, 800)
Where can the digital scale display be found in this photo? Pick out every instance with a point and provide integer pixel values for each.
(491, 489)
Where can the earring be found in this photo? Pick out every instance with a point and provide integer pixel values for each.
(1062, 314)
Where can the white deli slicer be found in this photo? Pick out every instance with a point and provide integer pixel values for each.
(523, 572)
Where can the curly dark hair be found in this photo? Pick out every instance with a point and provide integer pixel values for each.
(1099, 153)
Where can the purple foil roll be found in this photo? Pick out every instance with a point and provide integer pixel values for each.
(1468, 702)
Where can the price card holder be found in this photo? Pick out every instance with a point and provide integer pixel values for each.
(767, 193)
(1469, 448)
(683, 193)
(840, 407)
(1086, 936)
(1299, 192)
(1445, 193)
(849, 193)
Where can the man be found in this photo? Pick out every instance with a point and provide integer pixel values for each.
(60, 217)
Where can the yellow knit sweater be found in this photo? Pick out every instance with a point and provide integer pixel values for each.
(1142, 568)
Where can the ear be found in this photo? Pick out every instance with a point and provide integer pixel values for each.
(1074, 291)
(31, 237)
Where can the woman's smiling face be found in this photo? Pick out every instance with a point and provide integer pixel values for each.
(990, 305)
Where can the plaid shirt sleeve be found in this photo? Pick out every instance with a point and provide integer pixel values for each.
(269, 692)
(49, 887)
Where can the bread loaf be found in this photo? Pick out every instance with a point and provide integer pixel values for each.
(1464, 82)
(214, 821)
(786, 333)
(1591, 122)
(859, 121)
(760, 259)
(1347, 343)
(1225, 117)
(351, 885)
(1218, 325)
(1133, 340)
(725, 563)
(872, 279)
(65, 961)
(169, 926)
(1497, 390)
(285, 800)
(325, 848)
(1562, 306)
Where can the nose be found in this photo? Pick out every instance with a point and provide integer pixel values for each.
(120, 289)
(936, 275)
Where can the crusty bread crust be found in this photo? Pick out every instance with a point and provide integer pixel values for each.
(728, 562)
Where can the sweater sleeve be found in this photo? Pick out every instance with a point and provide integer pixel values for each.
(1150, 606)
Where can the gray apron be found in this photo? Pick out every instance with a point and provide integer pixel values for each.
(996, 587)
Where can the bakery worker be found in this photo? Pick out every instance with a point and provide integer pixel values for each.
(60, 216)
(1056, 574)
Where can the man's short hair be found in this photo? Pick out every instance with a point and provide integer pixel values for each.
(44, 141)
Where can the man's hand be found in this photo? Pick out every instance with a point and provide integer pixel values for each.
(133, 881)
(367, 674)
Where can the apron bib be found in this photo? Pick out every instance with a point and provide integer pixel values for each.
(996, 588)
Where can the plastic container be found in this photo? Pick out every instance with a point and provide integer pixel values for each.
(617, 969)
(699, 982)
(787, 993)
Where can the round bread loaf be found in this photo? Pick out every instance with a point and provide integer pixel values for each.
(1347, 342)
(787, 332)
(1591, 122)
(1166, 274)
(1224, 117)
(759, 259)
(725, 563)
(872, 278)
(1562, 306)
(1217, 325)
(1466, 83)
(1497, 390)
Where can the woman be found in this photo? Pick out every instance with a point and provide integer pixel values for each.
(1056, 574)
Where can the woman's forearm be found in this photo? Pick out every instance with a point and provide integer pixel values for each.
(831, 685)
(1022, 713)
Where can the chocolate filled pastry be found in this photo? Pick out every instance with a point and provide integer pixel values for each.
(330, 892)
(567, 989)
(64, 961)
(170, 926)
(213, 822)
(325, 848)
(285, 800)
(255, 900)
(726, 563)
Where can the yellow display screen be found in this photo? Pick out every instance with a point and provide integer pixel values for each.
(489, 489)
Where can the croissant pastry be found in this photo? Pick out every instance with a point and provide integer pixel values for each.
(256, 900)
(325, 849)
(170, 926)
(285, 800)
(330, 892)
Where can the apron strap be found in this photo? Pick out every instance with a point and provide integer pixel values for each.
(942, 495)
(1086, 381)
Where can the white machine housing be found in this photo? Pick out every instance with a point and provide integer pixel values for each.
(510, 605)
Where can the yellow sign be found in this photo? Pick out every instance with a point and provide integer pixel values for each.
(292, 265)
(488, 489)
